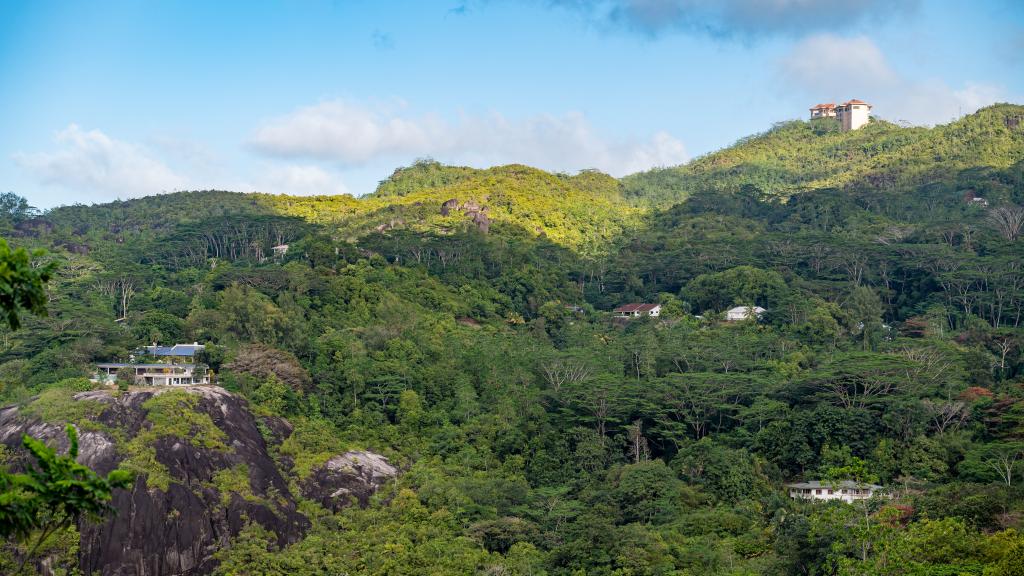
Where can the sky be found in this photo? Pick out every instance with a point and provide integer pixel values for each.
(116, 99)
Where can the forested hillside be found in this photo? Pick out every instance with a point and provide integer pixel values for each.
(458, 322)
(796, 156)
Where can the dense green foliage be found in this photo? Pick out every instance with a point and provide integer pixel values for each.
(536, 435)
(795, 157)
(21, 285)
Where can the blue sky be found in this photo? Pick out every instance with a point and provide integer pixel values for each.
(116, 99)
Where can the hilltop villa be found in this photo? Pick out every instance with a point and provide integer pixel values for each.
(167, 366)
(851, 114)
(637, 310)
(823, 111)
(845, 490)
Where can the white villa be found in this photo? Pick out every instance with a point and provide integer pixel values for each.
(744, 313)
(851, 114)
(637, 310)
(154, 374)
(166, 366)
(845, 490)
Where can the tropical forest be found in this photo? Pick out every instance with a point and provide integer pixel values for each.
(451, 375)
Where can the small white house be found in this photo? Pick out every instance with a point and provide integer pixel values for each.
(846, 490)
(744, 313)
(637, 310)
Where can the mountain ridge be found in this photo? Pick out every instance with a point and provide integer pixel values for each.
(797, 156)
(878, 156)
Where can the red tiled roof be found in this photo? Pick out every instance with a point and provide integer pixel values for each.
(855, 101)
(636, 308)
(827, 106)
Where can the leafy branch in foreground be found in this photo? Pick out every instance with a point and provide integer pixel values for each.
(54, 494)
(58, 491)
(22, 286)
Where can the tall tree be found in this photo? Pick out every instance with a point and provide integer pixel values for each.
(22, 283)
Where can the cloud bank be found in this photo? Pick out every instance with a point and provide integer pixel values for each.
(299, 180)
(351, 134)
(92, 161)
(743, 19)
(830, 67)
(96, 167)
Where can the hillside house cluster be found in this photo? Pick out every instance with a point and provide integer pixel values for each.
(851, 114)
(640, 310)
(846, 490)
(162, 366)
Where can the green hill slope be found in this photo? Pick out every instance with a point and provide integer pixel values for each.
(582, 212)
(798, 156)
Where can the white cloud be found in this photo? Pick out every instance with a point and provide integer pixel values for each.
(344, 132)
(94, 166)
(300, 180)
(92, 161)
(829, 67)
(833, 63)
(353, 134)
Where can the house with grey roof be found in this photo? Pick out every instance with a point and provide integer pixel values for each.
(175, 352)
(741, 313)
(158, 365)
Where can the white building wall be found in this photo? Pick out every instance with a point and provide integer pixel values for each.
(858, 116)
(846, 495)
(853, 116)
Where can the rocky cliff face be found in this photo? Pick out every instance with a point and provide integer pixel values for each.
(204, 483)
(349, 478)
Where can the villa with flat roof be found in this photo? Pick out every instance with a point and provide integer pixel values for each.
(175, 351)
(159, 366)
(155, 374)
